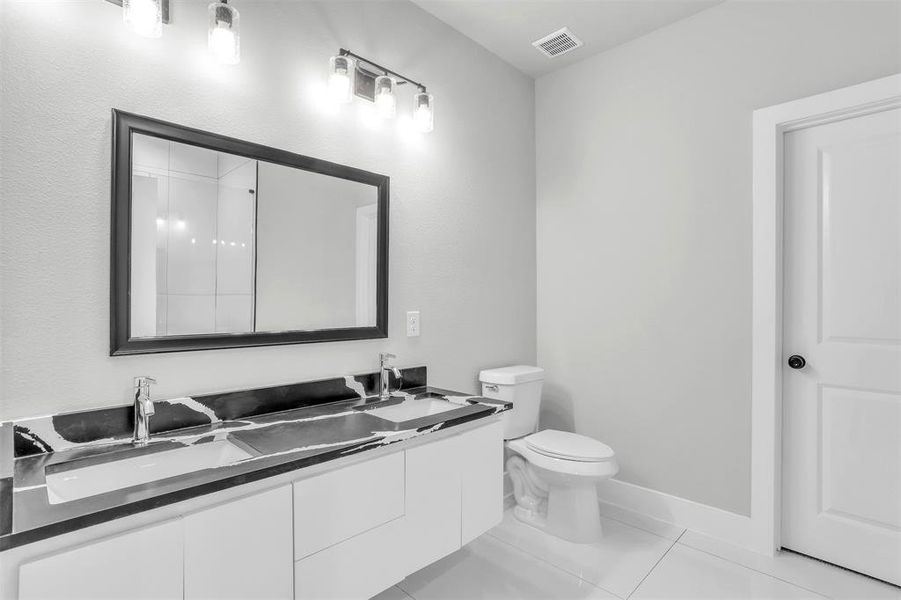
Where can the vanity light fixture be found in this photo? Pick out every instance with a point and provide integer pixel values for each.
(385, 101)
(424, 112)
(340, 79)
(144, 17)
(351, 74)
(224, 38)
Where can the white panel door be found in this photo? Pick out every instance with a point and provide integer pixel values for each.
(139, 565)
(842, 314)
(241, 550)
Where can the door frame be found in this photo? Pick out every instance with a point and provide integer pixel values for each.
(769, 128)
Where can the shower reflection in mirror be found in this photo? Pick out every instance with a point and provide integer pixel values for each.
(224, 244)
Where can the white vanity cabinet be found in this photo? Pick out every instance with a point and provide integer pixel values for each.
(361, 529)
(454, 492)
(345, 533)
(482, 474)
(349, 530)
(355, 569)
(241, 549)
(237, 550)
(144, 564)
(340, 504)
(433, 500)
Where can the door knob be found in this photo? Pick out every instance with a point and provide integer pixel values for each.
(796, 361)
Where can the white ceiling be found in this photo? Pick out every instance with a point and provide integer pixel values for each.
(508, 27)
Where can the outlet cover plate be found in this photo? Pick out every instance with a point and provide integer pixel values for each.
(413, 323)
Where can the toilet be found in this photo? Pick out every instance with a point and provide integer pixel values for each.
(554, 473)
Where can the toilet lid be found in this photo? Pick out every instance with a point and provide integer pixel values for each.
(568, 446)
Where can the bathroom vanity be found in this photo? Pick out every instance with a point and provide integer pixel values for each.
(336, 488)
(311, 491)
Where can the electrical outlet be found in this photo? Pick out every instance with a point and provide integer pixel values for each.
(412, 323)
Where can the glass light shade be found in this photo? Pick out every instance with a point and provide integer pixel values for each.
(340, 80)
(224, 39)
(385, 100)
(424, 112)
(144, 17)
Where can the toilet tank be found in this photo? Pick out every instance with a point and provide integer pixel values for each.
(521, 385)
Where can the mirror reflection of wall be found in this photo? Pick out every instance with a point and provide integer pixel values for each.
(195, 208)
(227, 244)
(316, 253)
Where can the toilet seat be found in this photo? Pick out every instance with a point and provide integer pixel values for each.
(606, 467)
(568, 446)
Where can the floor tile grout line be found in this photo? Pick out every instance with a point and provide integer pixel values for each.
(647, 530)
(770, 575)
(659, 560)
(687, 545)
(621, 522)
(550, 564)
(673, 543)
(682, 530)
(678, 540)
(404, 592)
(542, 559)
(535, 556)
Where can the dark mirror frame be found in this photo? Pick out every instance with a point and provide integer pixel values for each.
(121, 343)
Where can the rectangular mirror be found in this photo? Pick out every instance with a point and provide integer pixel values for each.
(220, 243)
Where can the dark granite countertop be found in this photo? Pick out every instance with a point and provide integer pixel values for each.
(282, 429)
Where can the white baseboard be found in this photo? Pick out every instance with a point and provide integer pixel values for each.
(685, 514)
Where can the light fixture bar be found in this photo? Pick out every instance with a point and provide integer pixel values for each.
(361, 59)
(164, 6)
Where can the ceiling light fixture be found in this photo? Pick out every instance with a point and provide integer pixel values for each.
(224, 37)
(351, 74)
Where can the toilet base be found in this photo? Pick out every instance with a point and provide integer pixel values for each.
(574, 514)
(565, 509)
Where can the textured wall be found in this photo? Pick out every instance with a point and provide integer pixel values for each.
(644, 228)
(462, 205)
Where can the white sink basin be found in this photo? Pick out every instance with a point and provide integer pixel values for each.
(73, 484)
(412, 409)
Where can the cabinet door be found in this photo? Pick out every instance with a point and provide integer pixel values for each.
(338, 505)
(482, 472)
(355, 569)
(433, 501)
(138, 565)
(242, 549)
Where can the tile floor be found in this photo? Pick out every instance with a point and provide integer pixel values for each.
(638, 559)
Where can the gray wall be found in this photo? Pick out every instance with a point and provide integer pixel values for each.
(65, 64)
(644, 228)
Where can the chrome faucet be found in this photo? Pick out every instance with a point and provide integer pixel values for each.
(384, 377)
(143, 410)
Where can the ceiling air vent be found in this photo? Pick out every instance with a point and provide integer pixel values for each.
(557, 43)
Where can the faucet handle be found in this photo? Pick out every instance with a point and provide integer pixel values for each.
(144, 381)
